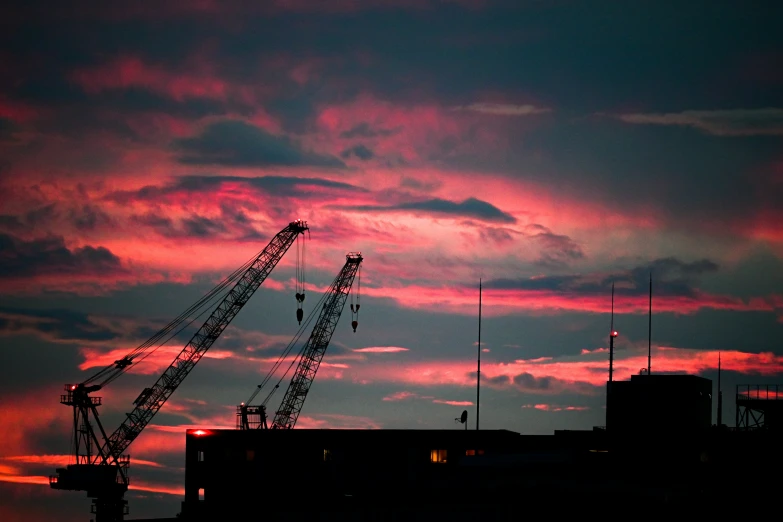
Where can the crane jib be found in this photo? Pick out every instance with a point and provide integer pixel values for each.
(315, 347)
(88, 473)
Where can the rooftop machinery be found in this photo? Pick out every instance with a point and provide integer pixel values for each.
(310, 356)
(100, 467)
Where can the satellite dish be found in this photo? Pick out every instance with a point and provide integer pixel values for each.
(464, 417)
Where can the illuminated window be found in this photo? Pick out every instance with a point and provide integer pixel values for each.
(471, 453)
(250, 455)
(201, 456)
(201, 493)
(438, 456)
(327, 455)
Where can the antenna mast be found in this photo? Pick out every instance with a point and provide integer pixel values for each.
(649, 330)
(612, 335)
(478, 369)
(720, 397)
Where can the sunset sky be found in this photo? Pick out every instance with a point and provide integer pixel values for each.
(548, 148)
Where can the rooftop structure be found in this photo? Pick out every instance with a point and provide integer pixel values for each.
(659, 405)
(759, 406)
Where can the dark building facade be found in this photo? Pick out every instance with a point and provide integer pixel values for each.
(660, 406)
(410, 475)
(332, 469)
(658, 451)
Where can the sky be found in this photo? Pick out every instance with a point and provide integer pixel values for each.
(548, 149)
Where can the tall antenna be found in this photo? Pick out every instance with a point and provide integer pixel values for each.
(720, 397)
(612, 335)
(649, 329)
(478, 370)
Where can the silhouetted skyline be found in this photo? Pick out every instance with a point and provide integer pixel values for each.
(548, 150)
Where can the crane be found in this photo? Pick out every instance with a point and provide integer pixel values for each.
(310, 356)
(101, 468)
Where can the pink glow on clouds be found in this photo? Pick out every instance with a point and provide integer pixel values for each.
(500, 302)
(125, 72)
(553, 407)
(62, 460)
(161, 358)
(335, 421)
(406, 395)
(17, 112)
(31, 413)
(136, 485)
(400, 396)
(572, 374)
(381, 349)
(585, 351)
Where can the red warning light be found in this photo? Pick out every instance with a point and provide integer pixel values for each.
(199, 433)
(614, 334)
(73, 387)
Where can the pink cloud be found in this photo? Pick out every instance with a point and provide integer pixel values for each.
(400, 396)
(553, 407)
(501, 302)
(381, 349)
(63, 460)
(129, 71)
(585, 351)
(151, 365)
(336, 421)
(453, 403)
(575, 374)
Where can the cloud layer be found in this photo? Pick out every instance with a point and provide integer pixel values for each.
(146, 154)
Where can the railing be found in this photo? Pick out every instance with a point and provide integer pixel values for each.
(759, 392)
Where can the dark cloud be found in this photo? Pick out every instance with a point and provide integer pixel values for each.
(202, 227)
(557, 250)
(238, 144)
(425, 186)
(89, 217)
(161, 223)
(360, 151)
(496, 235)
(11, 223)
(59, 325)
(527, 381)
(671, 276)
(7, 130)
(736, 122)
(273, 185)
(469, 208)
(42, 215)
(84, 217)
(363, 130)
(559, 51)
(50, 256)
(231, 223)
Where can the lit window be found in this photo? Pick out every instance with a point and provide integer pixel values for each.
(438, 456)
(327, 455)
(201, 493)
(250, 455)
(200, 455)
(470, 453)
